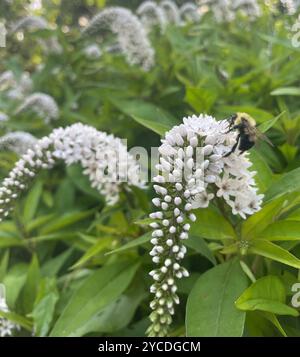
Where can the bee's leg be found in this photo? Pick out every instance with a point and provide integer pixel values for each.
(234, 146)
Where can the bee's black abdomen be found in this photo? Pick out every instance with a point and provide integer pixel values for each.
(245, 143)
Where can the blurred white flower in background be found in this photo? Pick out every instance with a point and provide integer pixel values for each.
(249, 8)
(50, 44)
(151, 14)
(42, 104)
(189, 12)
(30, 22)
(3, 117)
(171, 11)
(14, 87)
(130, 32)
(17, 141)
(92, 51)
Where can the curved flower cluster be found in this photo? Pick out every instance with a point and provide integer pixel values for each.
(189, 12)
(250, 8)
(17, 141)
(50, 45)
(6, 326)
(103, 157)
(151, 14)
(193, 170)
(171, 11)
(42, 104)
(30, 22)
(130, 32)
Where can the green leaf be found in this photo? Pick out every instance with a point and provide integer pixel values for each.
(117, 314)
(132, 244)
(14, 281)
(200, 246)
(82, 181)
(273, 251)
(52, 266)
(294, 91)
(200, 99)
(273, 319)
(287, 183)
(45, 306)
(265, 126)
(17, 319)
(32, 201)
(264, 174)
(65, 220)
(211, 225)
(4, 265)
(101, 244)
(149, 115)
(282, 230)
(30, 288)
(266, 294)
(101, 288)
(210, 306)
(6, 242)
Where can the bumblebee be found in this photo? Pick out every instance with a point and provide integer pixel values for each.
(248, 134)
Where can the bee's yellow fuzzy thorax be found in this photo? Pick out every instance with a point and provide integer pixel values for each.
(246, 116)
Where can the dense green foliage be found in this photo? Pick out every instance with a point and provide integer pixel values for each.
(73, 266)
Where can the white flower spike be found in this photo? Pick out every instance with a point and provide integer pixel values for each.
(104, 159)
(17, 141)
(42, 104)
(151, 14)
(130, 32)
(194, 154)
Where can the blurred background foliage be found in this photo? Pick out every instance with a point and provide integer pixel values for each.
(73, 266)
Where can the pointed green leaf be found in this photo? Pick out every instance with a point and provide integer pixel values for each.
(101, 288)
(210, 307)
(273, 251)
(266, 294)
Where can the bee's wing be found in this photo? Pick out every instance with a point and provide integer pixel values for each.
(262, 137)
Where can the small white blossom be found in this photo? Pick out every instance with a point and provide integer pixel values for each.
(131, 35)
(42, 104)
(3, 117)
(93, 51)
